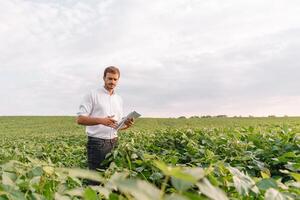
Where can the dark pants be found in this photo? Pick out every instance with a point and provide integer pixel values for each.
(97, 149)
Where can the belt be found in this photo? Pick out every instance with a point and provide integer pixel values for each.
(111, 140)
(105, 140)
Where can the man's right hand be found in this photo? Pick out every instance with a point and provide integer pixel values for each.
(110, 122)
(92, 121)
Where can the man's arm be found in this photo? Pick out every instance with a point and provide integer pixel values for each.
(91, 121)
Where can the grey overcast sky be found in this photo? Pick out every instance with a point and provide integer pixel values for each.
(177, 57)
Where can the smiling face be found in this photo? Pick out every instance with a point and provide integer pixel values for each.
(110, 81)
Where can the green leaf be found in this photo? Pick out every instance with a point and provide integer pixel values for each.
(102, 190)
(175, 197)
(196, 172)
(75, 192)
(114, 180)
(296, 176)
(265, 184)
(292, 166)
(178, 172)
(211, 191)
(285, 129)
(242, 182)
(182, 185)
(10, 193)
(48, 170)
(149, 156)
(193, 196)
(163, 167)
(85, 174)
(90, 194)
(139, 189)
(273, 194)
(61, 197)
(287, 156)
(113, 196)
(37, 171)
(134, 156)
(265, 174)
(156, 176)
(17, 195)
(8, 178)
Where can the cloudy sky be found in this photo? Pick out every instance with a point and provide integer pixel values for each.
(177, 57)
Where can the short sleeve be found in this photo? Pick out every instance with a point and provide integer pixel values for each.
(86, 106)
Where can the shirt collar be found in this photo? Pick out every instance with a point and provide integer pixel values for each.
(106, 91)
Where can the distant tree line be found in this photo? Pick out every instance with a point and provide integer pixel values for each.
(203, 116)
(221, 116)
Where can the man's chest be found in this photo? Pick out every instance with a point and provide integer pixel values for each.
(107, 105)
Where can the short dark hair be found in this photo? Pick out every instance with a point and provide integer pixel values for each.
(111, 69)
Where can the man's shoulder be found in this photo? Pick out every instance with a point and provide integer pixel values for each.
(95, 91)
(92, 93)
(118, 96)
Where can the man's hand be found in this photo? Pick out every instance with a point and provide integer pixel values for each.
(110, 122)
(129, 122)
(91, 121)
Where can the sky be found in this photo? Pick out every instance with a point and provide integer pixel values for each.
(177, 57)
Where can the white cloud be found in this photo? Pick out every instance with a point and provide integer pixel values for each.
(177, 57)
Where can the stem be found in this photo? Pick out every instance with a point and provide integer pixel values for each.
(128, 160)
(163, 187)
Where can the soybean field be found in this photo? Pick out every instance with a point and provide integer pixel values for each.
(157, 159)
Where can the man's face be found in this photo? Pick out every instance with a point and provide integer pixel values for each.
(110, 81)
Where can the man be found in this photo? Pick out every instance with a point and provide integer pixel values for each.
(99, 112)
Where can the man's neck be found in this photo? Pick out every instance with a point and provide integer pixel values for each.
(109, 91)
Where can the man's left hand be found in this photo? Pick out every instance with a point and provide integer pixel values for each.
(129, 122)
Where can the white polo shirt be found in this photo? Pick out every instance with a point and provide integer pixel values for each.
(99, 103)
